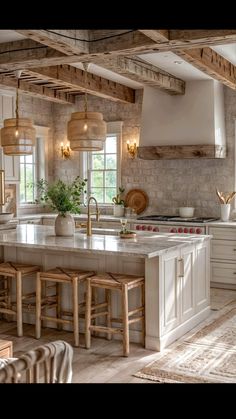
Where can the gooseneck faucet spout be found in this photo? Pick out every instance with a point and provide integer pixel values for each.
(89, 222)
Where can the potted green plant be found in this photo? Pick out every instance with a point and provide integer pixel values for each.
(65, 199)
(119, 203)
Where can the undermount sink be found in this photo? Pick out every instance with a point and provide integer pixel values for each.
(106, 231)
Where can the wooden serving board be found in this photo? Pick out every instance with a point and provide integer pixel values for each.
(127, 236)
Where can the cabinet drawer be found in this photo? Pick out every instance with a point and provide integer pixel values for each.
(224, 273)
(222, 249)
(223, 233)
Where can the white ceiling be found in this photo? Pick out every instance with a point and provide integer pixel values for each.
(227, 51)
(166, 61)
(9, 36)
(170, 62)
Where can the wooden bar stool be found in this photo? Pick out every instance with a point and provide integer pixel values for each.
(58, 276)
(18, 271)
(122, 283)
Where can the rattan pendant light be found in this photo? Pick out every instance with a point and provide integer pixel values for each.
(86, 131)
(18, 134)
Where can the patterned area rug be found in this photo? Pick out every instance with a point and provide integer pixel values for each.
(221, 297)
(206, 356)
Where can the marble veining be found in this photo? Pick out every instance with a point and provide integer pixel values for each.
(145, 245)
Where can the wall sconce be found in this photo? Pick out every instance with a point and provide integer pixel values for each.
(132, 149)
(65, 151)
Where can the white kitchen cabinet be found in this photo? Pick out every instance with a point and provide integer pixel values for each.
(48, 221)
(185, 287)
(223, 257)
(11, 164)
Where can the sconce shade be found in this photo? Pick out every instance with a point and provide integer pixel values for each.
(86, 131)
(18, 136)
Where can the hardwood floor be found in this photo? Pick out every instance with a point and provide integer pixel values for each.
(103, 363)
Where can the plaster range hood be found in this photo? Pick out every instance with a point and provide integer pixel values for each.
(186, 126)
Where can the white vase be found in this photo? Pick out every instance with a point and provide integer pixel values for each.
(118, 210)
(224, 212)
(64, 225)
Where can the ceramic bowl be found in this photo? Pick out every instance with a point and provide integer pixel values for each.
(186, 212)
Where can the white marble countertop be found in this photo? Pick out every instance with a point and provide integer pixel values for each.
(104, 217)
(145, 245)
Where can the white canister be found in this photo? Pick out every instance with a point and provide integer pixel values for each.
(225, 212)
(118, 210)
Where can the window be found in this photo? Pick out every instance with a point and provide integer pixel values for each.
(33, 168)
(102, 168)
(28, 175)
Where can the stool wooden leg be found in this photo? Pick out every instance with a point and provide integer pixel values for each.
(76, 311)
(143, 319)
(125, 320)
(58, 292)
(108, 300)
(38, 307)
(88, 315)
(19, 303)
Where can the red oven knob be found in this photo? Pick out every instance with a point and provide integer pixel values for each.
(198, 230)
(180, 230)
(155, 229)
(149, 228)
(138, 227)
(144, 227)
(192, 230)
(185, 230)
(173, 230)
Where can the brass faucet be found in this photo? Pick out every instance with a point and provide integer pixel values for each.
(89, 222)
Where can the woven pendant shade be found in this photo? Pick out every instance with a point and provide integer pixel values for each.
(18, 134)
(86, 131)
(18, 137)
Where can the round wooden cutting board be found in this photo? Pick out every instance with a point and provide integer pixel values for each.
(137, 200)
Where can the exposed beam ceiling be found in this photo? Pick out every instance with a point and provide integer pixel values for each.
(73, 77)
(66, 41)
(43, 92)
(27, 53)
(212, 63)
(145, 73)
(113, 49)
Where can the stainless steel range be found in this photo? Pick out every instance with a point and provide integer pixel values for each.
(172, 224)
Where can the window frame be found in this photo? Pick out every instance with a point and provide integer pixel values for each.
(41, 165)
(113, 129)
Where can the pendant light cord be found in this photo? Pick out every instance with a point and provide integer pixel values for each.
(85, 96)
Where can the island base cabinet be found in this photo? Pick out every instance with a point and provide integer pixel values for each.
(182, 284)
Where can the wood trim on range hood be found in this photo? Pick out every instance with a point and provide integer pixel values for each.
(201, 151)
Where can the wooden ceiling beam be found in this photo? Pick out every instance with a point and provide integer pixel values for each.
(203, 37)
(95, 85)
(142, 72)
(35, 90)
(211, 63)
(67, 41)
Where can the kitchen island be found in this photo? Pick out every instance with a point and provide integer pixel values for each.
(175, 266)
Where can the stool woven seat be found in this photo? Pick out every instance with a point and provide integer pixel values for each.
(58, 276)
(123, 283)
(17, 271)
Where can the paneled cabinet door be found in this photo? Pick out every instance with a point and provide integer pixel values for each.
(187, 277)
(170, 291)
(11, 164)
(12, 168)
(202, 271)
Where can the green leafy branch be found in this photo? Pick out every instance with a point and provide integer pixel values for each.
(61, 196)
